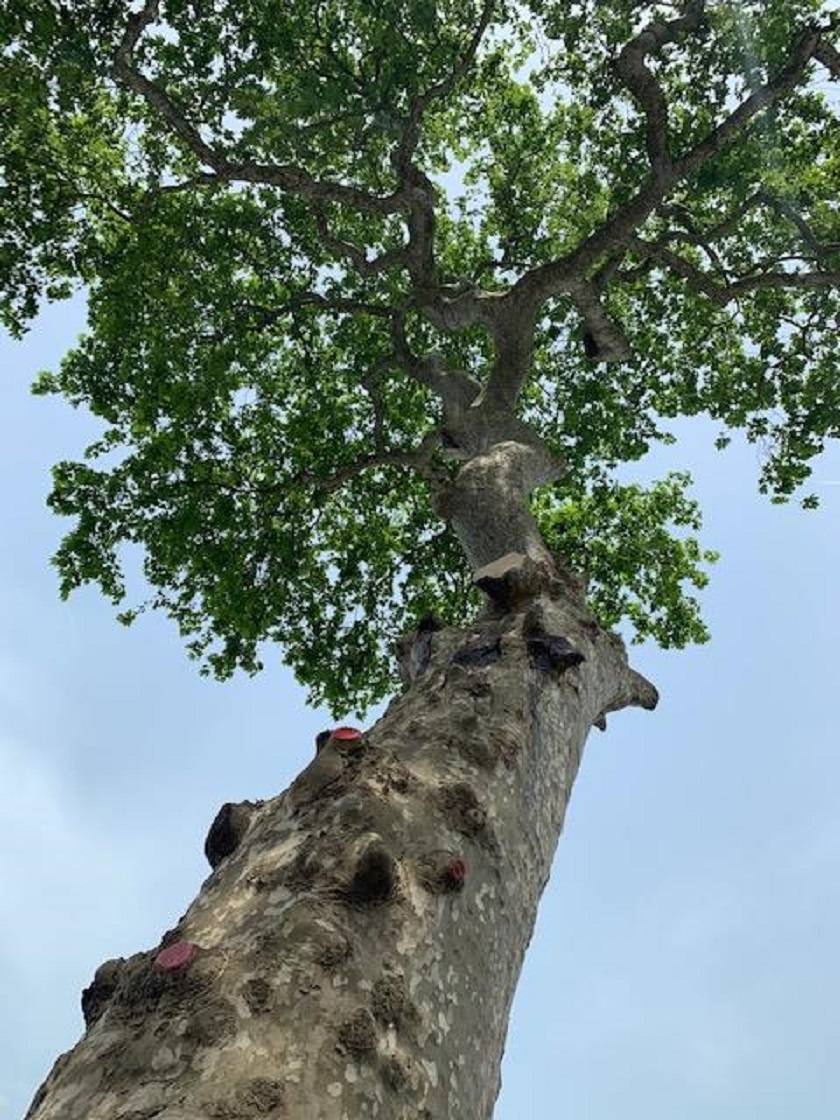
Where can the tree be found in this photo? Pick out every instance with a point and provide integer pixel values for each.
(348, 395)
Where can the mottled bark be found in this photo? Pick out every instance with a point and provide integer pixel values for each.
(358, 949)
(486, 503)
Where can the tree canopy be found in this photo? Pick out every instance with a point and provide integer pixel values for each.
(316, 237)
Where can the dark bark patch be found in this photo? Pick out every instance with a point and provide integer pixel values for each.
(477, 750)
(461, 808)
(143, 989)
(395, 1074)
(553, 652)
(508, 749)
(270, 947)
(304, 869)
(414, 650)
(442, 872)
(211, 1023)
(262, 1096)
(479, 656)
(357, 1035)
(510, 580)
(97, 996)
(324, 775)
(590, 346)
(374, 879)
(258, 995)
(390, 1002)
(334, 953)
(393, 776)
(227, 830)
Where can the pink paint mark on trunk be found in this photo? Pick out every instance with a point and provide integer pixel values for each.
(348, 737)
(178, 955)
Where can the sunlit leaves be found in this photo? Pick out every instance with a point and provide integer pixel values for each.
(632, 544)
(239, 348)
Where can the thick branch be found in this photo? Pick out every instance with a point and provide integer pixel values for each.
(418, 459)
(632, 69)
(293, 179)
(330, 305)
(411, 133)
(829, 56)
(608, 339)
(724, 293)
(367, 266)
(561, 275)
(419, 188)
(789, 211)
(512, 328)
(456, 389)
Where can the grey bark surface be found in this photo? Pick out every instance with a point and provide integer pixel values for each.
(358, 950)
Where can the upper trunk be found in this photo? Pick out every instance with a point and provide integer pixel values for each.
(359, 941)
(486, 502)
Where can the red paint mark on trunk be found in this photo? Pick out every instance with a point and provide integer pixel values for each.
(456, 872)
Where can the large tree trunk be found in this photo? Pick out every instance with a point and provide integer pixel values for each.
(360, 939)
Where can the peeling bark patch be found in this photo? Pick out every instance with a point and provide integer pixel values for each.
(264, 1095)
(479, 656)
(390, 1002)
(229, 826)
(357, 1035)
(553, 652)
(394, 777)
(96, 997)
(374, 879)
(461, 808)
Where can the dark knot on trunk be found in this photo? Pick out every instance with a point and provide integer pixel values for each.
(227, 830)
(512, 580)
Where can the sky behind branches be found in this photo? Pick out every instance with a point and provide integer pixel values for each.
(684, 963)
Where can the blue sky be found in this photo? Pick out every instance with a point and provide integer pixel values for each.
(684, 963)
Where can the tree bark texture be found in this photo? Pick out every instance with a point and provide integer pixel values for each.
(355, 950)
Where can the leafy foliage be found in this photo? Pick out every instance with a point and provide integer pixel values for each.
(272, 226)
(621, 536)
